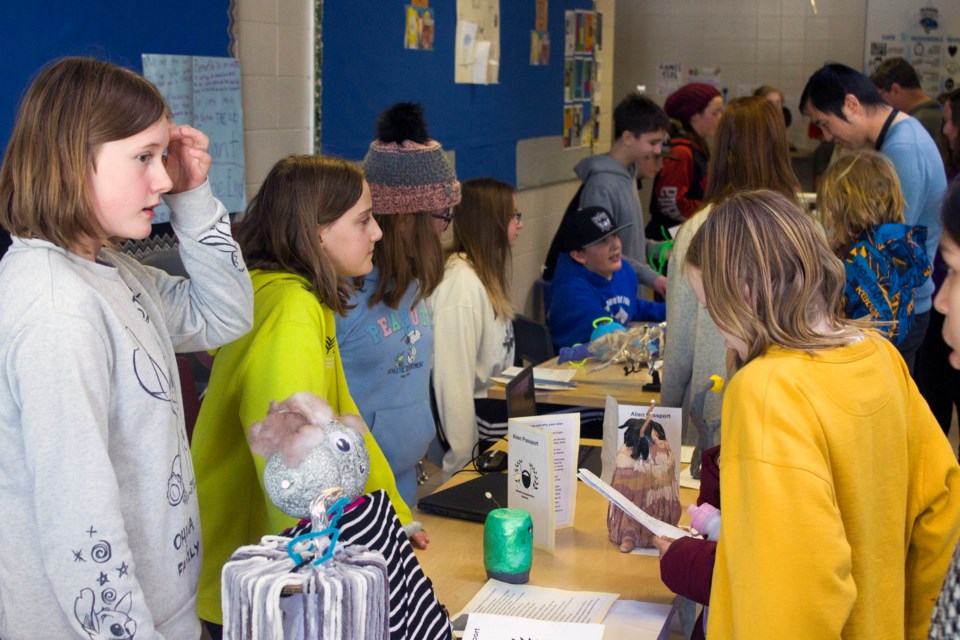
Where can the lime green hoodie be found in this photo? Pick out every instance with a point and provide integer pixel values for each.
(292, 347)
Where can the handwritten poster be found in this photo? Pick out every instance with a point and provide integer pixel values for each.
(204, 92)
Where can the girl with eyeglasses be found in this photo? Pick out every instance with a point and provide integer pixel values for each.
(386, 338)
(474, 338)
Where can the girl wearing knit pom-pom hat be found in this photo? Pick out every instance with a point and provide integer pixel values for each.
(678, 189)
(386, 339)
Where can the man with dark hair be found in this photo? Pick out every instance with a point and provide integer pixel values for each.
(609, 179)
(898, 83)
(849, 109)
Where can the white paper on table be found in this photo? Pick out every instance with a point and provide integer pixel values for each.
(530, 480)
(539, 603)
(658, 527)
(481, 58)
(636, 620)
(565, 428)
(540, 375)
(487, 626)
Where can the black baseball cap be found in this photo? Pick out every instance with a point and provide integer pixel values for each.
(586, 227)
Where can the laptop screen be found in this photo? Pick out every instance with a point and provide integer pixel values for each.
(521, 395)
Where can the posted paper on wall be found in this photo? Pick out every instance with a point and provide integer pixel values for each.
(478, 22)
(204, 92)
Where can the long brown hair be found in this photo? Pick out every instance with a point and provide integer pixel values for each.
(279, 230)
(751, 151)
(404, 259)
(769, 277)
(480, 231)
(74, 106)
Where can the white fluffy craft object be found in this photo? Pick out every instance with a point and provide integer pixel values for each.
(307, 449)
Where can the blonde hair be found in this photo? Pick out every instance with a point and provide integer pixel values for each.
(480, 231)
(859, 190)
(402, 262)
(279, 230)
(769, 277)
(74, 106)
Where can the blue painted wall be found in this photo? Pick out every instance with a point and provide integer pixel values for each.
(117, 30)
(366, 69)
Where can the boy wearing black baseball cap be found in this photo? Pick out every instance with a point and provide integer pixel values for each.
(592, 280)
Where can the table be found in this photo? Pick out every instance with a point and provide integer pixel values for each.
(584, 559)
(592, 386)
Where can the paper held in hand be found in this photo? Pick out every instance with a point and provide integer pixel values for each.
(658, 527)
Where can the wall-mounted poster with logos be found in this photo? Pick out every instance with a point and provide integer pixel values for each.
(926, 36)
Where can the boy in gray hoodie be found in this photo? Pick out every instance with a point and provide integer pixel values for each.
(610, 179)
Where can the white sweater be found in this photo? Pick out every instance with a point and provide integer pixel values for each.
(100, 524)
(470, 346)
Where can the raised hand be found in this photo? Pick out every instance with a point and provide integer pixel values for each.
(187, 159)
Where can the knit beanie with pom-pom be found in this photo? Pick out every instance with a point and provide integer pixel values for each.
(407, 171)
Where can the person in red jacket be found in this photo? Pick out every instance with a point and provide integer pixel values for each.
(679, 187)
(686, 564)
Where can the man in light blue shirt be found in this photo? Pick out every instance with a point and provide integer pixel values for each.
(850, 111)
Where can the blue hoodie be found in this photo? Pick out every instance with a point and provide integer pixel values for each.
(579, 297)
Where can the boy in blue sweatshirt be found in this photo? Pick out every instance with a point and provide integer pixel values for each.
(592, 280)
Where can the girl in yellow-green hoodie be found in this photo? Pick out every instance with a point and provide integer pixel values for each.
(308, 231)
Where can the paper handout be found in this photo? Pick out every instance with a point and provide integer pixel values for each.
(531, 482)
(656, 526)
(487, 626)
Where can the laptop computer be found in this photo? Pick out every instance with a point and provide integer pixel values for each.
(521, 395)
(522, 401)
(467, 500)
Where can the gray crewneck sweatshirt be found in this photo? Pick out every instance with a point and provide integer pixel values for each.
(100, 524)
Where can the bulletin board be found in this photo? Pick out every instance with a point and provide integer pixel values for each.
(365, 69)
(32, 34)
(926, 33)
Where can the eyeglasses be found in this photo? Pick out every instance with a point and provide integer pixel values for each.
(517, 215)
(446, 216)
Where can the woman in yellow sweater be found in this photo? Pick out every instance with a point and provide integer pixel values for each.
(841, 496)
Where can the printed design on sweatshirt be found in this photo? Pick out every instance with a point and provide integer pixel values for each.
(618, 307)
(406, 361)
(136, 303)
(110, 620)
(219, 237)
(508, 339)
(399, 321)
(152, 377)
